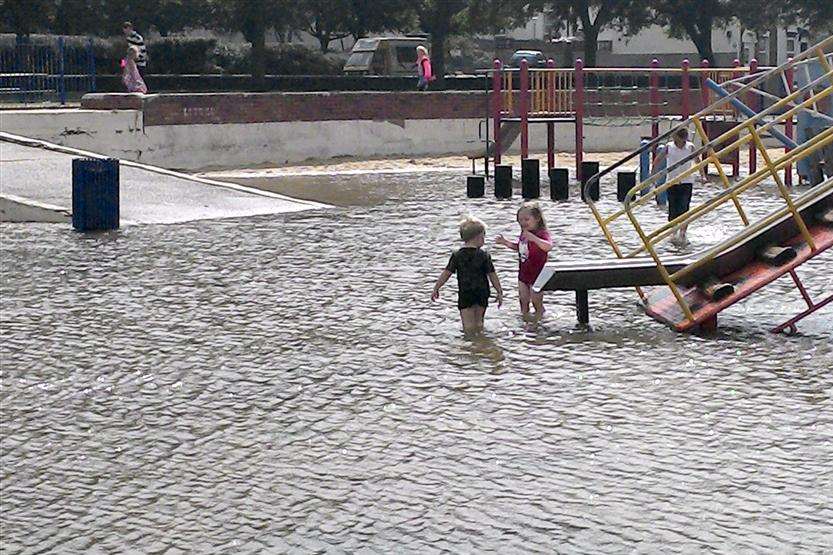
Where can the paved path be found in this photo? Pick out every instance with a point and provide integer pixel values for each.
(43, 173)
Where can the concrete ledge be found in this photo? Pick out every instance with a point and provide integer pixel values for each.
(18, 209)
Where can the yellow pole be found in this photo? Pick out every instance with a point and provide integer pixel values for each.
(719, 167)
(783, 189)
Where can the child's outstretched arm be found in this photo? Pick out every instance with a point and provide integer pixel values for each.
(435, 294)
(543, 244)
(498, 289)
(501, 240)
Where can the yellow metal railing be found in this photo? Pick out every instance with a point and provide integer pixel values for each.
(748, 131)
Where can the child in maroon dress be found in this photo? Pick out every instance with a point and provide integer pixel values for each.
(533, 246)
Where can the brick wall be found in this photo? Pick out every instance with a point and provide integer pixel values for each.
(186, 109)
(219, 108)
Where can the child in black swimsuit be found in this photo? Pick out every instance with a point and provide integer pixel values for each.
(474, 270)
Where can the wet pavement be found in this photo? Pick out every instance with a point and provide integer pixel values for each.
(146, 197)
(283, 384)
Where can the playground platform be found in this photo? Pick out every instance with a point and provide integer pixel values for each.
(37, 186)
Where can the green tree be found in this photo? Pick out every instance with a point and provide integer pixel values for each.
(374, 16)
(251, 17)
(446, 18)
(595, 16)
(24, 17)
(695, 19)
(326, 20)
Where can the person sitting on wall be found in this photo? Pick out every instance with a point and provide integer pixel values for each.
(135, 39)
(426, 74)
(130, 76)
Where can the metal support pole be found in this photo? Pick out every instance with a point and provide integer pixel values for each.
(91, 63)
(653, 99)
(578, 83)
(497, 106)
(685, 86)
(788, 125)
(524, 107)
(62, 86)
(736, 157)
(750, 99)
(551, 125)
(704, 92)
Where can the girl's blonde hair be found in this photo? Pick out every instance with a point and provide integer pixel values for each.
(534, 209)
(471, 227)
(133, 52)
(422, 50)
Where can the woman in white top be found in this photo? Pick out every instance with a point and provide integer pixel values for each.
(679, 196)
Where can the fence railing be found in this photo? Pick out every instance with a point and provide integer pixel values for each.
(55, 70)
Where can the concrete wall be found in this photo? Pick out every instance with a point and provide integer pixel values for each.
(219, 131)
(194, 147)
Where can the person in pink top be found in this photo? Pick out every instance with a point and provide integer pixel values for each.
(533, 247)
(426, 74)
(130, 76)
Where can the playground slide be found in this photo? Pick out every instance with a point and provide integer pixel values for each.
(509, 131)
(737, 266)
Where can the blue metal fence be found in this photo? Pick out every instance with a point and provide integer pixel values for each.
(52, 70)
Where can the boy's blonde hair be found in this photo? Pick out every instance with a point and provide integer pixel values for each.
(471, 227)
(534, 209)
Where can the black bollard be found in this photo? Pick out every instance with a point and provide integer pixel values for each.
(503, 181)
(530, 178)
(475, 186)
(95, 194)
(559, 184)
(582, 307)
(588, 170)
(624, 183)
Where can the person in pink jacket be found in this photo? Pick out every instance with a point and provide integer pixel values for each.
(130, 76)
(426, 75)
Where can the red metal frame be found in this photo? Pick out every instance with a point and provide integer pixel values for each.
(788, 126)
(578, 108)
(751, 99)
(811, 307)
(704, 90)
(523, 105)
(551, 125)
(736, 159)
(497, 107)
(653, 96)
(686, 90)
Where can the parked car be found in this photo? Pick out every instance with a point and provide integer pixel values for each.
(535, 58)
(385, 56)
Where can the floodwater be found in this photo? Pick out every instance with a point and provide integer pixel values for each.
(283, 384)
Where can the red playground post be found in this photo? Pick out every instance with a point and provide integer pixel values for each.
(704, 90)
(750, 101)
(736, 159)
(497, 107)
(578, 106)
(686, 86)
(550, 125)
(524, 107)
(653, 98)
(788, 126)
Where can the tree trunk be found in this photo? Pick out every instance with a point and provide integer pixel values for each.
(701, 36)
(324, 42)
(258, 40)
(591, 45)
(438, 57)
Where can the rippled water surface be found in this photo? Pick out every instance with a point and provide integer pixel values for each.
(283, 383)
